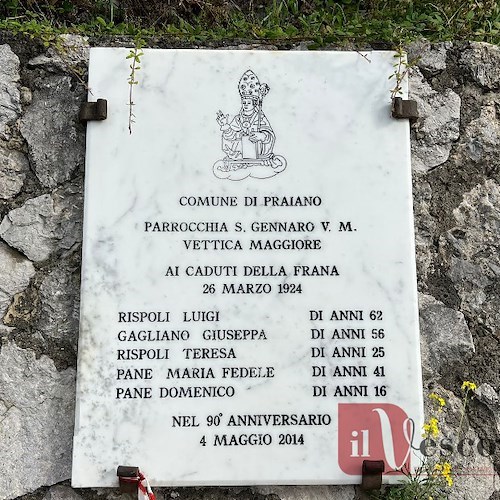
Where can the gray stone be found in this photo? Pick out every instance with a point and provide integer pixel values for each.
(26, 95)
(36, 415)
(59, 294)
(482, 61)
(249, 46)
(425, 229)
(481, 139)
(438, 126)
(15, 274)
(308, 492)
(430, 58)
(46, 224)
(488, 396)
(445, 336)
(13, 168)
(5, 330)
(60, 492)
(302, 45)
(10, 100)
(471, 252)
(50, 126)
(75, 49)
(476, 480)
(66, 54)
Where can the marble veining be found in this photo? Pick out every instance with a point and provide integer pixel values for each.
(262, 193)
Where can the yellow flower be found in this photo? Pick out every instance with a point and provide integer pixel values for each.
(444, 470)
(469, 386)
(438, 399)
(431, 428)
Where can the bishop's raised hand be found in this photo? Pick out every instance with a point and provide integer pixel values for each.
(222, 120)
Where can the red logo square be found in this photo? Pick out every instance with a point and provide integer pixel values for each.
(374, 432)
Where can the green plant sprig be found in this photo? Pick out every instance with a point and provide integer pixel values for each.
(401, 68)
(134, 55)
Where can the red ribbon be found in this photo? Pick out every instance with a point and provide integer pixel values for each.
(140, 479)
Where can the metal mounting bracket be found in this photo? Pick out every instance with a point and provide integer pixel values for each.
(94, 111)
(129, 478)
(404, 108)
(371, 474)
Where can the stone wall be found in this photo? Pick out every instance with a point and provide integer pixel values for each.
(456, 164)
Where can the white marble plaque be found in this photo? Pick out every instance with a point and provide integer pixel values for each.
(249, 307)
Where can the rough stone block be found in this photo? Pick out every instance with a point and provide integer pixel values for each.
(61, 492)
(36, 415)
(438, 126)
(10, 100)
(308, 492)
(59, 294)
(51, 129)
(471, 251)
(445, 337)
(429, 57)
(425, 228)
(15, 274)
(71, 52)
(45, 224)
(13, 168)
(482, 61)
(489, 397)
(481, 139)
